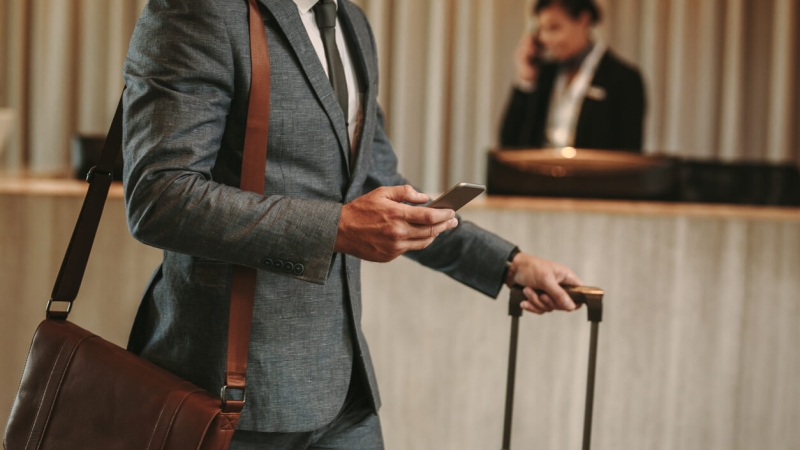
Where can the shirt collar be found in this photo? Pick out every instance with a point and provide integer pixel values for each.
(577, 60)
(306, 5)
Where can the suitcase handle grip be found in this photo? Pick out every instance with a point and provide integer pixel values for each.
(591, 296)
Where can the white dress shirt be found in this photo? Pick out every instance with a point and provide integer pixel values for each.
(355, 110)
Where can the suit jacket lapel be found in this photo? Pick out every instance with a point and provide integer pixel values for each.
(288, 19)
(541, 106)
(589, 109)
(357, 37)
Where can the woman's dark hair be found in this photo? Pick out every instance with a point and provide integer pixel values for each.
(573, 7)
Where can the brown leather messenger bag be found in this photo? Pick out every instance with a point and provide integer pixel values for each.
(79, 391)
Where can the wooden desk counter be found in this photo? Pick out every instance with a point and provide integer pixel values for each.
(50, 187)
(637, 208)
(65, 187)
(697, 348)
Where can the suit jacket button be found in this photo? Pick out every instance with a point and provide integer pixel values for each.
(267, 262)
(288, 267)
(299, 269)
(277, 264)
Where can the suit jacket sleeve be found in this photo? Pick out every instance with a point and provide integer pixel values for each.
(179, 88)
(466, 253)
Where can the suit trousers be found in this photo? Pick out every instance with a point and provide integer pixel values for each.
(356, 427)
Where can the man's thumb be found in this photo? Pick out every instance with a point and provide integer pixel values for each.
(405, 194)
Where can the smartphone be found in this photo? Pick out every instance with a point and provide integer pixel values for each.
(458, 196)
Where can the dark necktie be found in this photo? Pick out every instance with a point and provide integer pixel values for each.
(325, 14)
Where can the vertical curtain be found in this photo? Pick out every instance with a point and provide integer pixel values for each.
(720, 76)
(449, 74)
(61, 66)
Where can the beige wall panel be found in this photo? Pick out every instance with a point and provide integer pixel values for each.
(692, 356)
(34, 233)
(697, 348)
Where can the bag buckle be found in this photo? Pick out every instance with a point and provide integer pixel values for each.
(60, 315)
(235, 404)
(94, 172)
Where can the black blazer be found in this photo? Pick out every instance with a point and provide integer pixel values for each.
(613, 123)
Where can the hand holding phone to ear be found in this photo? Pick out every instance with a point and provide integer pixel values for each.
(527, 58)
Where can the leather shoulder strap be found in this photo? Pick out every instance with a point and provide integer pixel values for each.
(73, 265)
(254, 162)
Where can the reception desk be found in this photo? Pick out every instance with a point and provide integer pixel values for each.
(697, 347)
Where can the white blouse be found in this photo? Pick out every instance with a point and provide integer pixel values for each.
(566, 101)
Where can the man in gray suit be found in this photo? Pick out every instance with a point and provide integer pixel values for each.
(332, 197)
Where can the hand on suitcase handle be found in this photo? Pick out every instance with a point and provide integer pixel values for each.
(544, 283)
(591, 296)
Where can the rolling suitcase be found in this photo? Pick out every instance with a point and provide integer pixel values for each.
(593, 298)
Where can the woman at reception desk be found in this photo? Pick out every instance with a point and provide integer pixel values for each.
(571, 90)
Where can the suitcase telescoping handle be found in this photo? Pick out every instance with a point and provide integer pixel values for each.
(593, 298)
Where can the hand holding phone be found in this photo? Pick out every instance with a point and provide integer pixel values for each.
(385, 223)
(458, 196)
(537, 57)
(527, 52)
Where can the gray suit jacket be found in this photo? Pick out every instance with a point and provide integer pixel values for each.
(188, 78)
